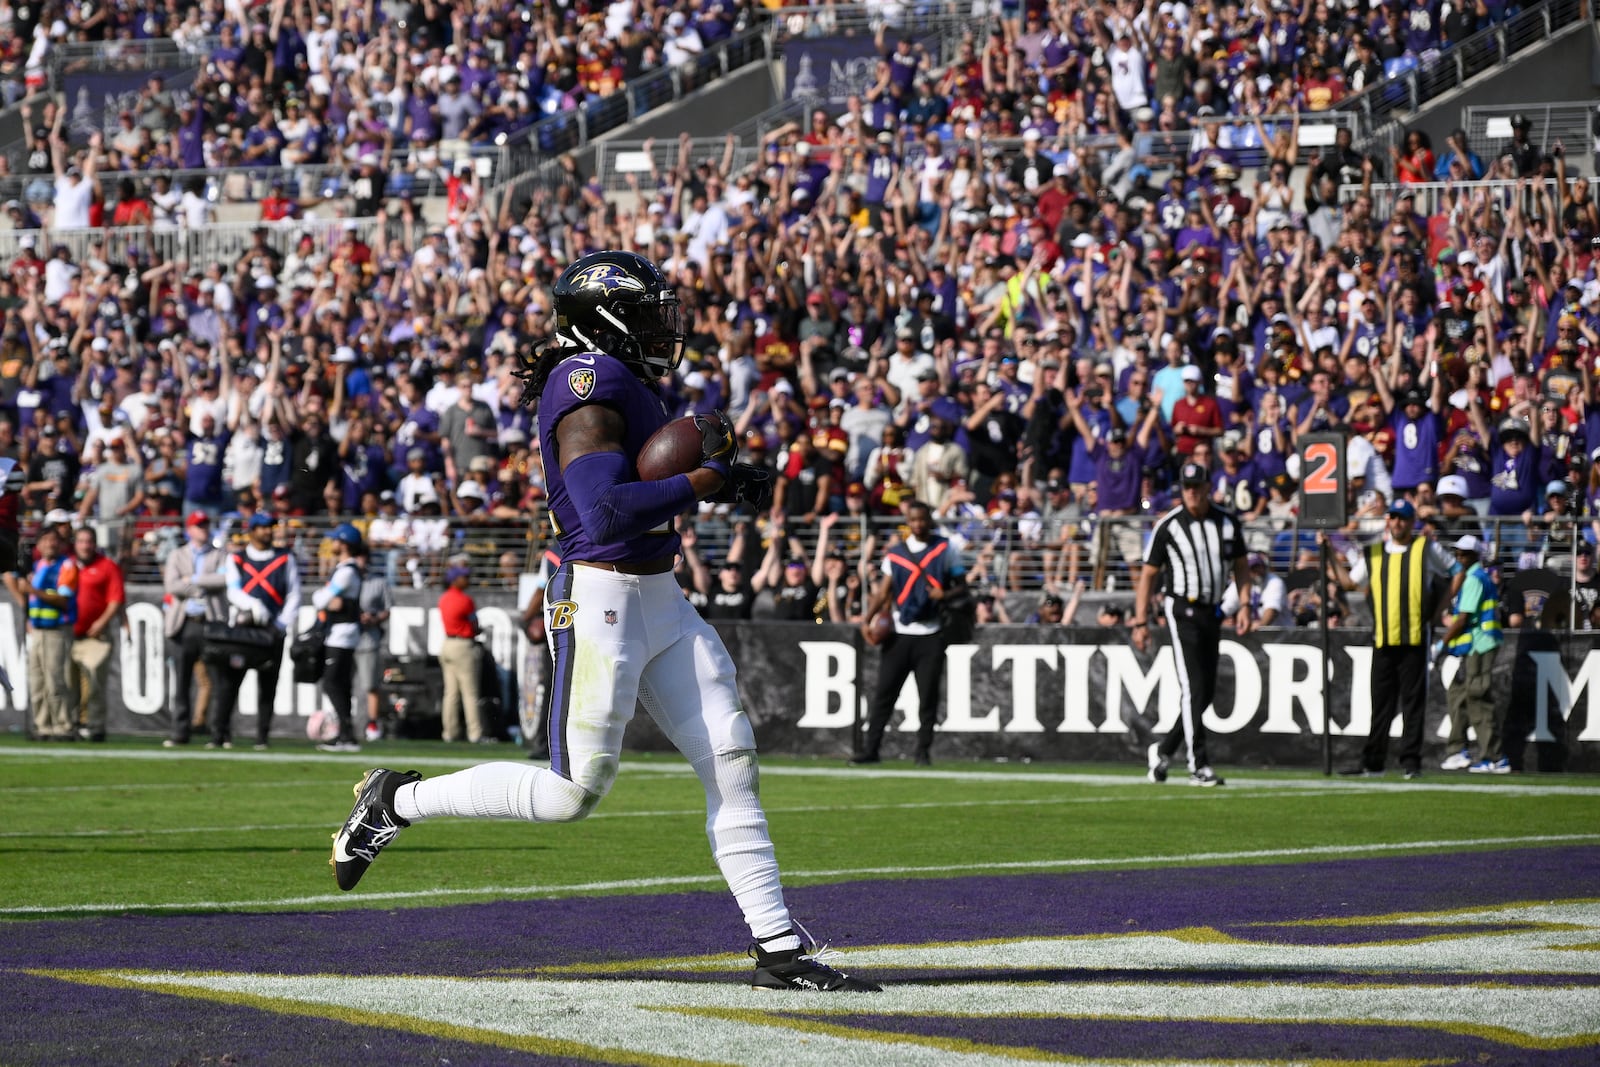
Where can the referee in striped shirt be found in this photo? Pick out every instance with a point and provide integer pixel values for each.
(1197, 545)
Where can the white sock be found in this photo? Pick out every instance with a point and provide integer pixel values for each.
(742, 847)
(496, 791)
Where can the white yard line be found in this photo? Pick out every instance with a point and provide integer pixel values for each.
(1237, 780)
(683, 881)
(807, 809)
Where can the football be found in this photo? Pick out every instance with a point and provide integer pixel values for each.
(877, 629)
(673, 449)
(323, 726)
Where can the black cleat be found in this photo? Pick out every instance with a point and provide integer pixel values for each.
(372, 825)
(861, 759)
(796, 969)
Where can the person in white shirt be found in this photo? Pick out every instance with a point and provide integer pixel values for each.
(1127, 65)
(1267, 591)
(75, 188)
(59, 270)
(195, 210)
(387, 535)
(682, 41)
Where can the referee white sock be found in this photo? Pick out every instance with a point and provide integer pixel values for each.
(496, 791)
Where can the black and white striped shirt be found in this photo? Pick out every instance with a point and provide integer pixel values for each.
(1197, 554)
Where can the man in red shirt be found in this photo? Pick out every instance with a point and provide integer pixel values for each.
(458, 657)
(100, 602)
(1194, 416)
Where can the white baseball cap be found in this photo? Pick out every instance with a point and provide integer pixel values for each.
(1469, 544)
(1451, 485)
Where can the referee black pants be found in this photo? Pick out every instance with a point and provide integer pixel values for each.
(904, 655)
(1399, 687)
(1196, 641)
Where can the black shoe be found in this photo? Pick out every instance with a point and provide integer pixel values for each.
(1359, 771)
(1205, 776)
(1156, 762)
(371, 826)
(862, 760)
(1412, 773)
(795, 969)
(921, 759)
(98, 739)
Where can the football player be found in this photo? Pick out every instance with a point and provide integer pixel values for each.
(619, 628)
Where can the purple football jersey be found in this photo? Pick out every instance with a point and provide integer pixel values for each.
(596, 378)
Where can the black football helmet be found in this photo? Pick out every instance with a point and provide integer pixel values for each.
(618, 303)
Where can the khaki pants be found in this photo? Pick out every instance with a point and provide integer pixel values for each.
(86, 678)
(55, 711)
(1472, 704)
(459, 661)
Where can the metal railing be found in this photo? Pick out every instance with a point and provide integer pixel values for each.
(569, 130)
(1488, 126)
(1438, 73)
(221, 242)
(616, 161)
(494, 549)
(145, 53)
(843, 20)
(1022, 555)
(1433, 198)
(248, 185)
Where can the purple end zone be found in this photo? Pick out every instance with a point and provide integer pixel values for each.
(494, 938)
(50, 1021)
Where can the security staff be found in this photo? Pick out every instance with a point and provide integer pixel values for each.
(1405, 576)
(52, 611)
(1473, 636)
(340, 604)
(263, 582)
(917, 573)
(196, 593)
(1197, 544)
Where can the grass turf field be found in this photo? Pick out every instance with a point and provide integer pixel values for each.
(1009, 875)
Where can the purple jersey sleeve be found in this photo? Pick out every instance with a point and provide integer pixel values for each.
(596, 378)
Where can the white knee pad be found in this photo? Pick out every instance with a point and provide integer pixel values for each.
(558, 799)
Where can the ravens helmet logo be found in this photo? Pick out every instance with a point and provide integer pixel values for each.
(606, 278)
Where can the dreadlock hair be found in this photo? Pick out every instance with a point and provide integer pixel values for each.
(536, 361)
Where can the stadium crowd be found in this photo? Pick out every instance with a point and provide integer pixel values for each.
(393, 97)
(1026, 338)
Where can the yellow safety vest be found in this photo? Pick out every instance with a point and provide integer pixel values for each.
(1397, 585)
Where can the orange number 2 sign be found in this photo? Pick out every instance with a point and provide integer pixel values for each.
(1322, 463)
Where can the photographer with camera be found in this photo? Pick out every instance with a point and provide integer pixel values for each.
(263, 585)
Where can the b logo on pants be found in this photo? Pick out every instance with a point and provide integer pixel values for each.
(561, 613)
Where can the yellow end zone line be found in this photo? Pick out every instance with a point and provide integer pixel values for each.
(1497, 1034)
(687, 881)
(446, 1031)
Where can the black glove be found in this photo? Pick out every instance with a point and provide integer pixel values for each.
(747, 484)
(718, 445)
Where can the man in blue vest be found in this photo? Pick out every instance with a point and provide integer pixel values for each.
(263, 585)
(1473, 637)
(52, 610)
(917, 574)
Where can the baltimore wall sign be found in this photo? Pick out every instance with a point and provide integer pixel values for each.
(1015, 692)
